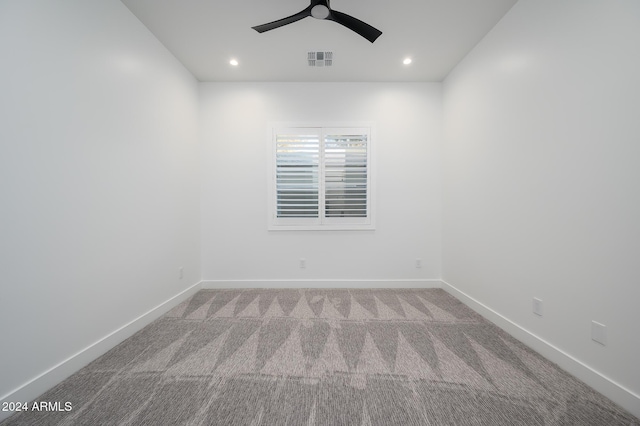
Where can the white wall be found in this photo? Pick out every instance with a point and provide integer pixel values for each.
(99, 180)
(542, 150)
(236, 245)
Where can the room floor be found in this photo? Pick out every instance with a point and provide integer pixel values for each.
(323, 357)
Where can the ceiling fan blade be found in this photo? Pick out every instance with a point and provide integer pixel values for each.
(354, 24)
(284, 21)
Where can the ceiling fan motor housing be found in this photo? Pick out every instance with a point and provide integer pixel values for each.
(320, 11)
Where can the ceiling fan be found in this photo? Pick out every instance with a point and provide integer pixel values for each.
(320, 9)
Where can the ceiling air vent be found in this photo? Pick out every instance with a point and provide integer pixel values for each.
(320, 59)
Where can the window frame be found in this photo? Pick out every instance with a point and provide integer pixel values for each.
(321, 223)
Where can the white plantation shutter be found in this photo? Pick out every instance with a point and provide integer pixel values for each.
(297, 175)
(321, 178)
(346, 174)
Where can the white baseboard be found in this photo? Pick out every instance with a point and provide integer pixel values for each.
(48, 379)
(321, 283)
(607, 387)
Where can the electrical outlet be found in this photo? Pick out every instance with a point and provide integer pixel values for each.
(537, 306)
(599, 333)
(181, 272)
(303, 263)
(418, 263)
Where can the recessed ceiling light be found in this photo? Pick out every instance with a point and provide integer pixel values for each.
(406, 61)
(234, 62)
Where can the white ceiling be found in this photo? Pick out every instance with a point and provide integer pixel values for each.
(205, 34)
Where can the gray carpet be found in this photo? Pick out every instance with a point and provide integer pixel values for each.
(323, 357)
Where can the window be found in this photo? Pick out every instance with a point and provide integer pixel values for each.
(321, 178)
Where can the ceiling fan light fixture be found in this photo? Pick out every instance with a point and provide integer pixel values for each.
(320, 11)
